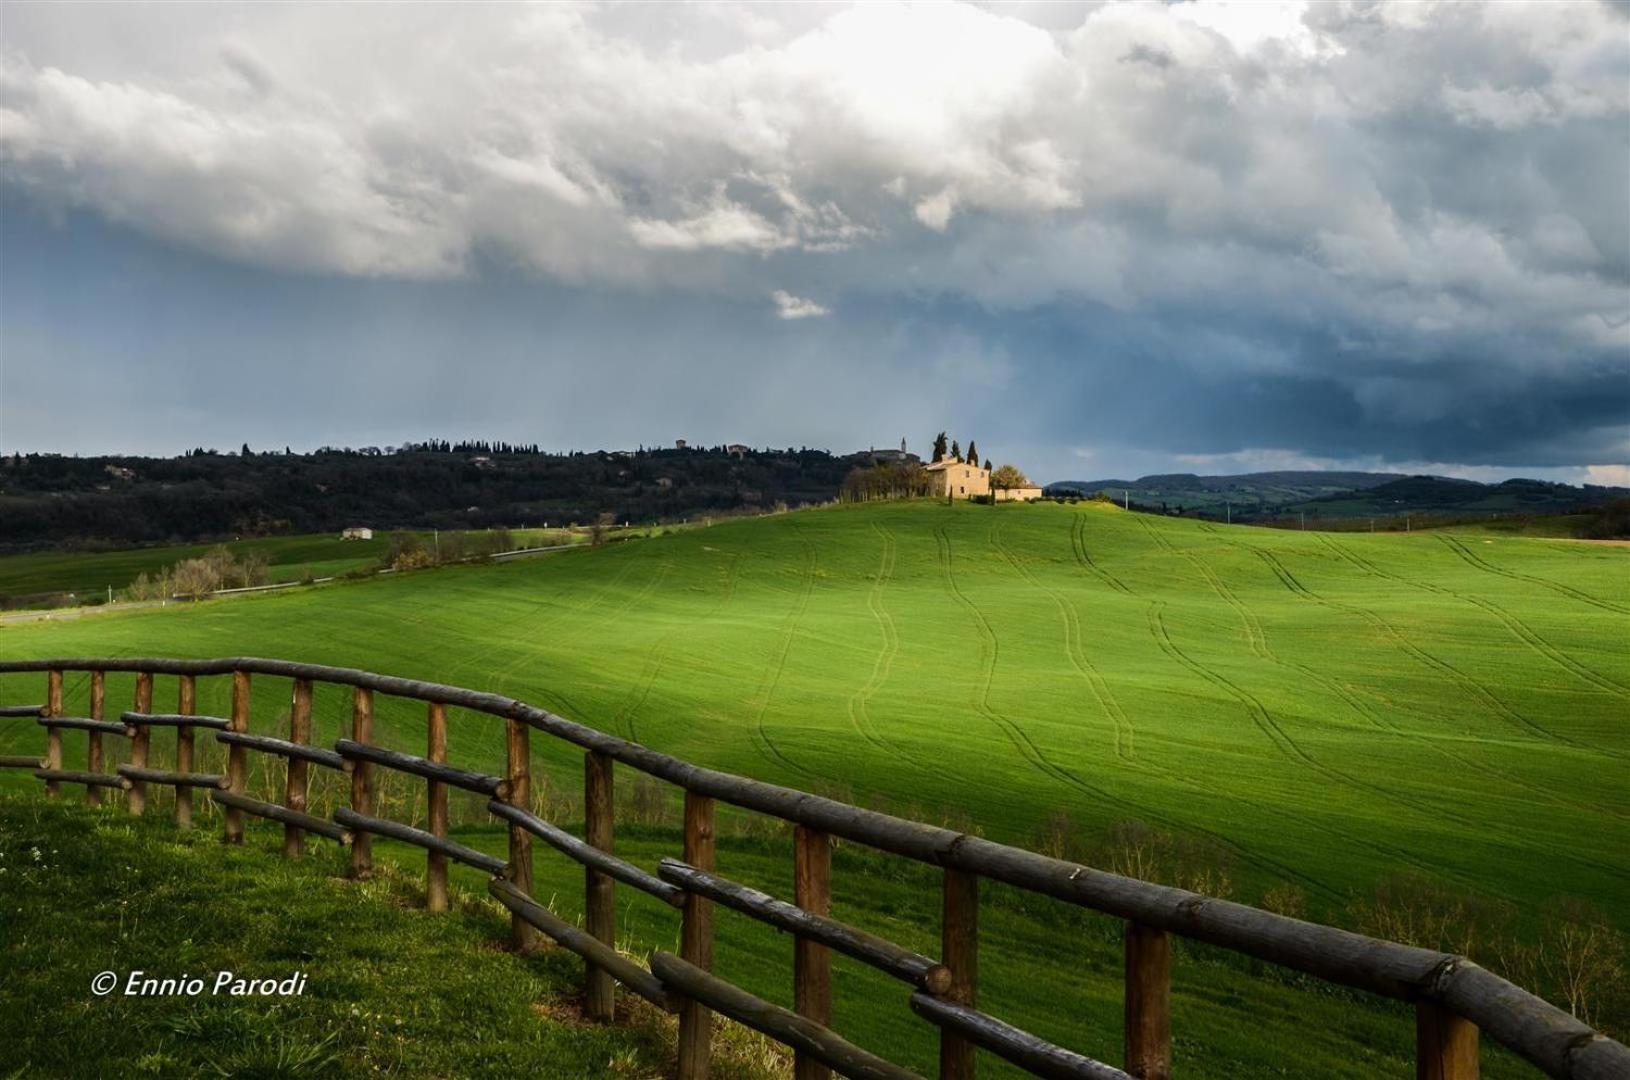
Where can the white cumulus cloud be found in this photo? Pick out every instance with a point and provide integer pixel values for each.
(788, 306)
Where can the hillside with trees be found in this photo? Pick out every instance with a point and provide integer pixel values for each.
(50, 500)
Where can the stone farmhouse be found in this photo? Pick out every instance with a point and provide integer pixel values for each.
(965, 479)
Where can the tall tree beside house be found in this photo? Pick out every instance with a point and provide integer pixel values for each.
(973, 454)
(939, 446)
(987, 464)
(1007, 478)
(956, 450)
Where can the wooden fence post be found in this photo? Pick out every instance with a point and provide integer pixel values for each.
(599, 898)
(93, 739)
(696, 939)
(1148, 1002)
(811, 961)
(53, 736)
(139, 742)
(296, 778)
(523, 937)
(362, 782)
(1445, 1044)
(187, 705)
(435, 871)
(237, 771)
(959, 951)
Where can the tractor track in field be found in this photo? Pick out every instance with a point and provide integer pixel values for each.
(772, 676)
(1258, 639)
(658, 655)
(1075, 649)
(988, 651)
(859, 717)
(1522, 630)
(596, 612)
(1293, 752)
(529, 611)
(1078, 543)
(1294, 584)
(1480, 691)
(1545, 583)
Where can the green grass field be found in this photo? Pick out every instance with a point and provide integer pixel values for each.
(91, 574)
(1311, 712)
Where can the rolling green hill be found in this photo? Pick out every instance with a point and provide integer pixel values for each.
(1298, 714)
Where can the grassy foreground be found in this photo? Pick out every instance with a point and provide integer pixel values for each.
(389, 988)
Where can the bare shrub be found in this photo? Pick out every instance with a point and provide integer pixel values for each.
(648, 804)
(1056, 837)
(1583, 956)
(450, 548)
(1416, 910)
(1285, 900)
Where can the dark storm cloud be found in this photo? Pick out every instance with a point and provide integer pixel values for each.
(1232, 233)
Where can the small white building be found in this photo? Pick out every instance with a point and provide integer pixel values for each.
(357, 533)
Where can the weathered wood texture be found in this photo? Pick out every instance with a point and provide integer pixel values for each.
(1445, 1044)
(76, 776)
(186, 705)
(296, 779)
(435, 872)
(518, 772)
(237, 764)
(599, 899)
(430, 769)
(283, 815)
(133, 719)
(397, 831)
(53, 734)
(137, 775)
(806, 1037)
(592, 950)
(1148, 1034)
(1546, 1036)
(136, 800)
(362, 781)
(266, 744)
(811, 960)
(81, 723)
(959, 951)
(573, 848)
(23, 711)
(93, 739)
(1035, 1056)
(21, 761)
(696, 939)
(880, 953)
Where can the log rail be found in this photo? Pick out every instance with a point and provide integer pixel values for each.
(1454, 999)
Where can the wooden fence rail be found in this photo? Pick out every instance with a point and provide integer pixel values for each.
(1455, 1000)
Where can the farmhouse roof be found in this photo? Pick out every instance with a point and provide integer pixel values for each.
(947, 462)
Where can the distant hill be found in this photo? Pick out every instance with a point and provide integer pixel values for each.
(1267, 495)
(1442, 494)
(1248, 494)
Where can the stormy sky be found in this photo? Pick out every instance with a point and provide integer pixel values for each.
(1100, 239)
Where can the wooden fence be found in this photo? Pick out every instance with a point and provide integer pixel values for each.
(1454, 999)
